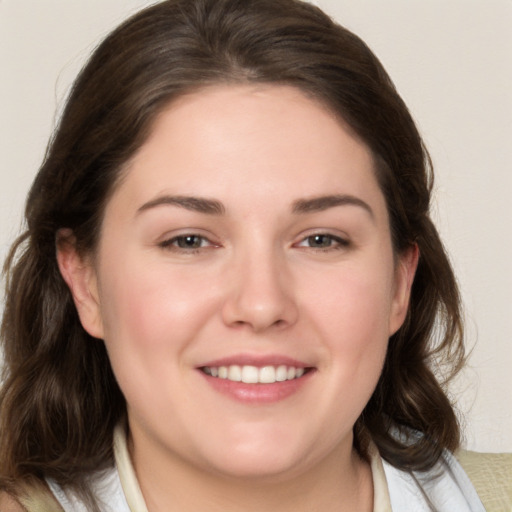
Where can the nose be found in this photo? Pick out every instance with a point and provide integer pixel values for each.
(260, 294)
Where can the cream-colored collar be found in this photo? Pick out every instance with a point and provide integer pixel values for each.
(129, 481)
(381, 499)
(135, 500)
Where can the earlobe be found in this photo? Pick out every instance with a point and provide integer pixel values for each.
(404, 277)
(80, 276)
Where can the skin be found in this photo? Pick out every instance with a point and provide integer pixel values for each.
(258, 284)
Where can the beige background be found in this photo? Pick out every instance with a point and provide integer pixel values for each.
(450, 60)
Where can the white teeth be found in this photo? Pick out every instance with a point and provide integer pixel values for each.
(267, 375)
(235, 373)
(250, 374)
(281, 373)
(254, 375)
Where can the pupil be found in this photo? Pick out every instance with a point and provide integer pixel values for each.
(189, 241)
(321, 240)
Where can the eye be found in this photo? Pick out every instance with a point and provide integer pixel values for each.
(188, 242)
(323, 241)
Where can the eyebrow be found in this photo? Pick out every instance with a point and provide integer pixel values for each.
(195, 204)
(321, 203)
(300, 206)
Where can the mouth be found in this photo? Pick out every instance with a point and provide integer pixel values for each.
(249, 374)
(257, 379)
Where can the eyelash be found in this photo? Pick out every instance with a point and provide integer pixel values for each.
(336, 243)
(173, 243)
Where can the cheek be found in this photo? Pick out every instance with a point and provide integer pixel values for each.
(151, 318)
(359, 335)
(351, 314)
(151, 313)
(353, 305)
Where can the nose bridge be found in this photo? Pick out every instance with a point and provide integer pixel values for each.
(261, 289)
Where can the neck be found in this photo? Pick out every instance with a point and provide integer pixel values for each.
(341, 482)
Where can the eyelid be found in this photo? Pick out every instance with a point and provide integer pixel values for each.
(340, 241)
(169, 242)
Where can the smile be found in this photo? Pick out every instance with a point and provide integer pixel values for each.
(254, 375)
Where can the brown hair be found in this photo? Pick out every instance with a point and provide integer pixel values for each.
(60, 400)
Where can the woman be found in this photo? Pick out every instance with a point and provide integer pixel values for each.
(227, 291)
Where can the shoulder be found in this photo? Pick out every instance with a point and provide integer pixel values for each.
(33, 497)
(444, 488)
(491, 475)
(9, 504)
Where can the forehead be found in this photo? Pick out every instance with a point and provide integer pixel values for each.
(272, 139)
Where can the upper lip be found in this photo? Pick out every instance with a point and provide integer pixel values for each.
(256, 360)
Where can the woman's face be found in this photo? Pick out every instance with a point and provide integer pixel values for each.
(248, 239)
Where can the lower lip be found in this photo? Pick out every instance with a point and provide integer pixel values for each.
(258, 393)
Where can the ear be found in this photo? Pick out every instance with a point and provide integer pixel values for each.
(80, 276)
(404, 277)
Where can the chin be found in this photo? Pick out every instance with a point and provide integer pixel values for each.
(258, 468)
(260, 459)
